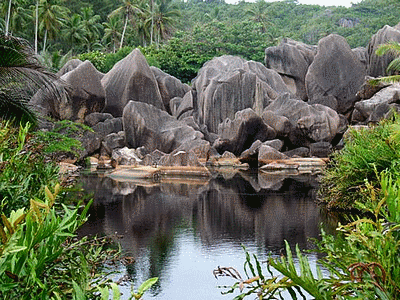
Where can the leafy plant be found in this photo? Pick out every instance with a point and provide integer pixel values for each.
(366, 152)
(21, 77)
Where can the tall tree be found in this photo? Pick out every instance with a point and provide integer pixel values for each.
(258, 13)
(129, 9)
(91, 26)
(73, 32)
(16, 15)
(52, 14)
(112, 31)
(165, 15)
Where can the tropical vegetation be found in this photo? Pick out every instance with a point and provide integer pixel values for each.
(179, 36)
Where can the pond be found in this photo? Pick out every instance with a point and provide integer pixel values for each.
(181, 230)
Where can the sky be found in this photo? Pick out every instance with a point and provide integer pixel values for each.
(346, 3)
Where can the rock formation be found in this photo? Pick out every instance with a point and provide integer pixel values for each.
(131, 79)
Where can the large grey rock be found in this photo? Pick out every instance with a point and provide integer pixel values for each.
(182, 106)
(180, 159)
(131, 79)
(362, 55)
(113, 141)
(228, 84)
(321, 149)
(86, 96)
(81, 94)
(96, 117)
(125, 156)
(238, 134)
(276, 144)
(146, 125)
(280, 124)
(298, 152)
(377, 64)
(200, 148)
(267, 154)
(335, 75)
(113, 125)
(252, 152)
(169, 86)
(69, 66)
(208, 136)
(291, 60)
(381, 99)
(316, 122)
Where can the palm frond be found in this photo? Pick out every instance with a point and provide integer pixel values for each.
(390, 47)
(394, 66)
(386, 79)
(21, 76)
(13, 107)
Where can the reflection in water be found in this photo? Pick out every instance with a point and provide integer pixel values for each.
(180, 232)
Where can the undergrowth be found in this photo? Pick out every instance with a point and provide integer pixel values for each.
(366, 150)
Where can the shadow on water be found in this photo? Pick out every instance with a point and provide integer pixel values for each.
(180, 231)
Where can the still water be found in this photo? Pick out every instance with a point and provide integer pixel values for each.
(180, 231)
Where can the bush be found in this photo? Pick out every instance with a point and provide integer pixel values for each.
(366, 152)
(97, 58)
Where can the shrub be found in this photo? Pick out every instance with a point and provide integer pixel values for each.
(366, 152)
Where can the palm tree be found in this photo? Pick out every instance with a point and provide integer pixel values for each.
(258, 14)
(73, 32)
(128, 9)
(51, 15)
(112, 31)
(16, 15)
(21, 77)
(91, 26)
(165, 15)
(393, 69)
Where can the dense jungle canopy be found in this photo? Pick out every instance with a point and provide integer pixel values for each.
(179, 36)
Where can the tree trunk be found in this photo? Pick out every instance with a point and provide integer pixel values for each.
(45, 40)
(36, 27)
(8, 17)
(123, 32)
(152, 22)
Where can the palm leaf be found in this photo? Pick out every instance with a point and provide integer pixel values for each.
(21, 76)
(394, 66)
(388, 48)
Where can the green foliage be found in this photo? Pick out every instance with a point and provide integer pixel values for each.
(97, 58)
(24, 170)
(366, 152)
(39, 259)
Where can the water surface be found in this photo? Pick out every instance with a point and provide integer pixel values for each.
(180, 231)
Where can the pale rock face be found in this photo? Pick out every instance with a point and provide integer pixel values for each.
(310, 123)
(239, 134)
(228, 84)
(335, 75)
(131, 79)
(377, 64)
(291, 60)
(153, 128)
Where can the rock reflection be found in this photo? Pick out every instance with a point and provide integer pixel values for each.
(271, 208)
(146, 217)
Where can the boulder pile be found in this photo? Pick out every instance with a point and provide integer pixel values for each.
(298, 104)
